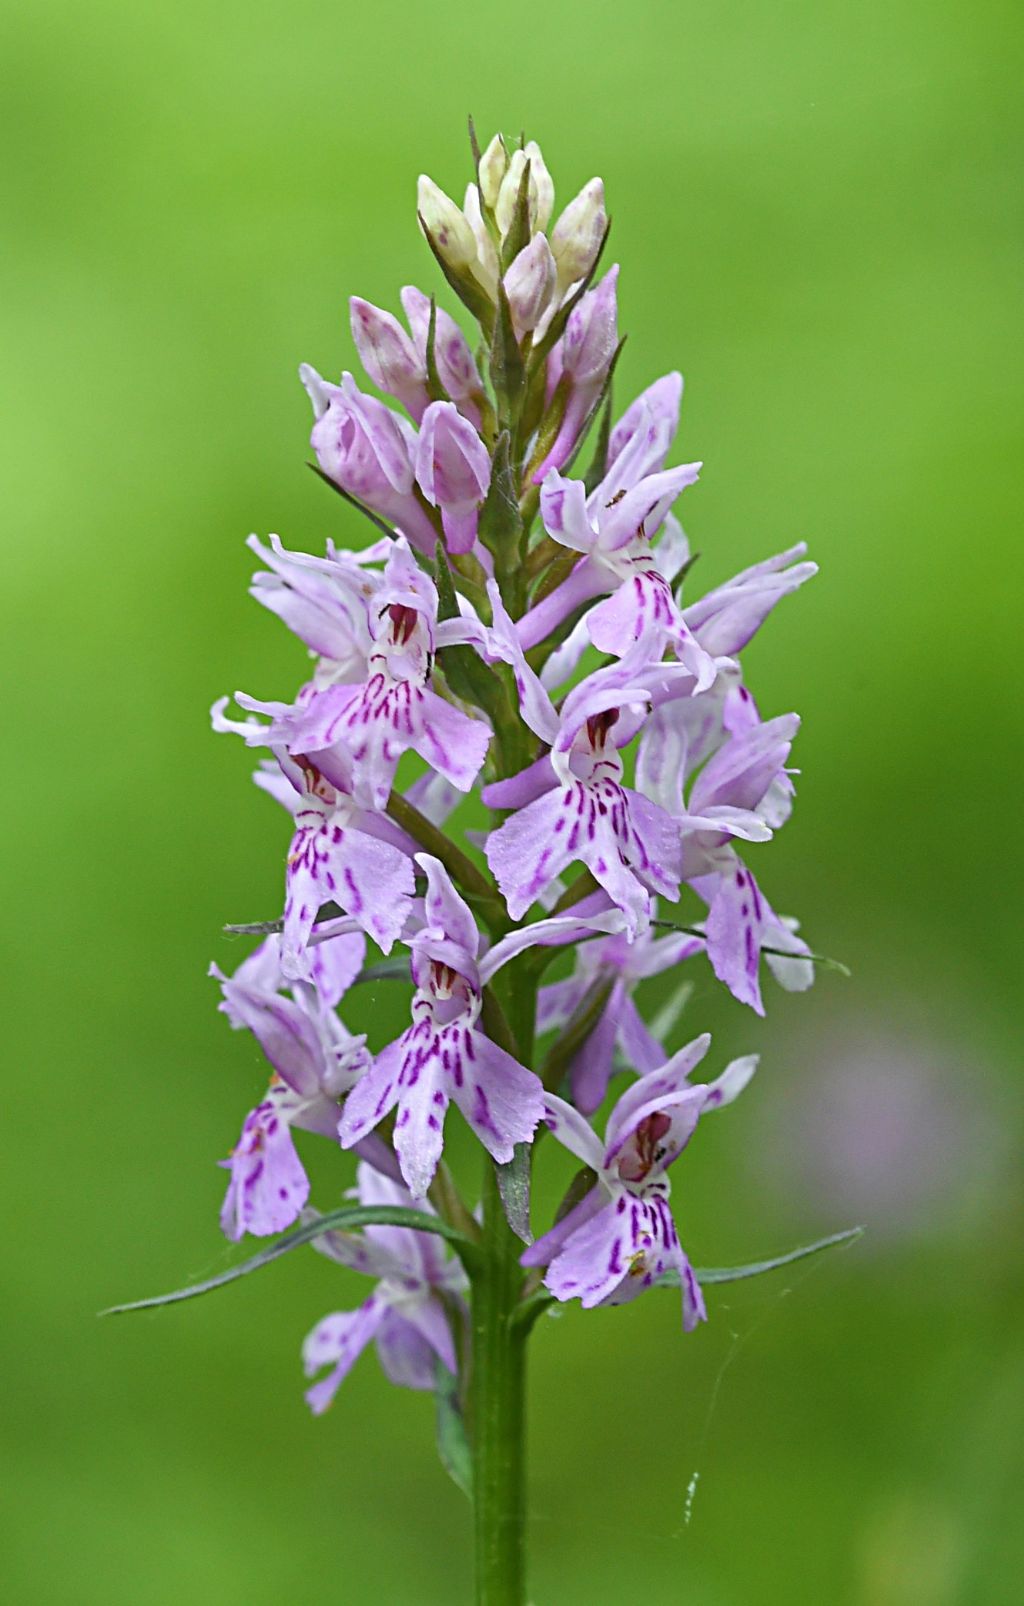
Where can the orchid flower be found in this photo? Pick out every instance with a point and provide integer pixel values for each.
(572, 806)
(444, 1054)
(406, 1316)
(355, 734)
(339, 854)
(621, 1237)
(368, 450)
(314, 1061)
(613, 529)
(743, 791)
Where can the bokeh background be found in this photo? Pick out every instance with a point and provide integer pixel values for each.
(817, 209)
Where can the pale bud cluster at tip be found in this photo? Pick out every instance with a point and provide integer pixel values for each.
(474, 241)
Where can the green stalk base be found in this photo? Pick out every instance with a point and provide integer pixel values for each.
(498, 1413)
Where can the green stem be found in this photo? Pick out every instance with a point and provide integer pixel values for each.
(497, 1385)
(498, 1412)
(471, 882)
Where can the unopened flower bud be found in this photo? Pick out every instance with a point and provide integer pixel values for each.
(453, 471)
(493, 165)
(529, 284)
(576, 237)
(485, 268)
(505, 205)
(452, 356)
(445, 224)
(389, 356)
(367, 449)
(579, 366)
(540, 193)
(591, 335)
(542, 189)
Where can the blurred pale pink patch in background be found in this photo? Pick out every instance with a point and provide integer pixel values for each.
(889, 1122)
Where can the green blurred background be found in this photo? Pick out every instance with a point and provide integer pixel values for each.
(817, 209)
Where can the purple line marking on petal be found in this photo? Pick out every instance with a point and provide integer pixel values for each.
(482, 1111)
